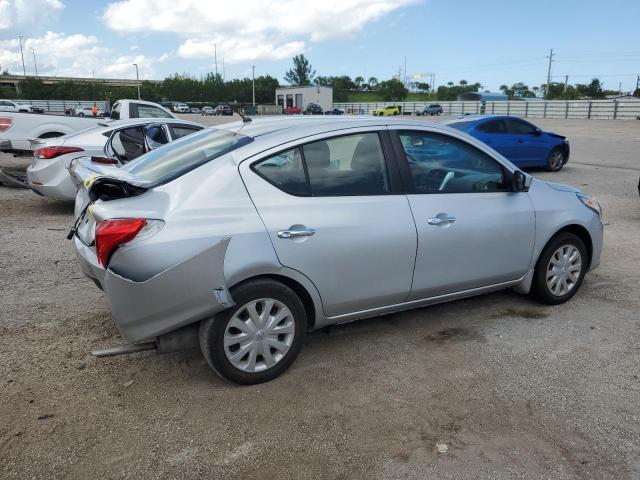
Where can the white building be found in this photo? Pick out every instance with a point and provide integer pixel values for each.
(302, 96)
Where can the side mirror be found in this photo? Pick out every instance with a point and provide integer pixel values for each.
(538, 132)
(522, 181)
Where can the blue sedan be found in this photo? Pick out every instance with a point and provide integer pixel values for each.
(524, 144)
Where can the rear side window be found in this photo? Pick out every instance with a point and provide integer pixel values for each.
(341, 166)
(149, 111)
(180, 131)
(285, 171)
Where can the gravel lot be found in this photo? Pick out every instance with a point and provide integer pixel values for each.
(514, 389)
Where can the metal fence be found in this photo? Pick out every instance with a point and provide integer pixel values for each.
(590, 109)
(62, 105)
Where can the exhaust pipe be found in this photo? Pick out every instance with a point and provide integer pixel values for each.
(124, 349)
(185, 338)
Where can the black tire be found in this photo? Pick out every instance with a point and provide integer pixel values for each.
(81, 114)
(212, 331)
(556, 160)
(539, 287)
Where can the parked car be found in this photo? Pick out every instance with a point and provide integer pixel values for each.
(11, 106)
(520, 141)
(387, 111)
(291, 225)
(112, 143)
(19, 132)
(88, 111)
(207, 111)
(334, 111)
(313, 109)
(194, 110)
(292, 111)
(433, 109)
(224, 110)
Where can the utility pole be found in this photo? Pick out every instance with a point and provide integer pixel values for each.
(215, 57)
(35, 64)
(566, 83)
(137, 80)
(404, 79)
(224, 73)
(253, 82)
(24, 70)
(550, 57)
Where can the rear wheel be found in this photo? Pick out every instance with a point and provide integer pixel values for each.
(560, 269)
(555, 161)
(260, 337)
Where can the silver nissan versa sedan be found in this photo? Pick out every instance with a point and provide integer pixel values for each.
(244, 238)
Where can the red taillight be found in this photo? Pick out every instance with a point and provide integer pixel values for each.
(5, 123)
(110, 234)
(104, 160)
(53, 152)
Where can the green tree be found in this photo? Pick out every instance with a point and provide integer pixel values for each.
(373, 83)
(302, 73)
(393, 90)
(464, 83)
(423, 87)
(359, 81)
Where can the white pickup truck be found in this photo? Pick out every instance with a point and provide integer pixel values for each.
(20, 132)
(11, 106)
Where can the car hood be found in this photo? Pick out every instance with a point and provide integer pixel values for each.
(561, 187)
(556, 135)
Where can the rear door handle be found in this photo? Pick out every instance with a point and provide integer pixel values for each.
(441, 220)
(307, 232)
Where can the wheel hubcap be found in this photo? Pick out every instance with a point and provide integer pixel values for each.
(259, 335)
(556, 160)
(564, 270)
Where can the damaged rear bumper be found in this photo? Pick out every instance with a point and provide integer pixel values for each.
(183, 294)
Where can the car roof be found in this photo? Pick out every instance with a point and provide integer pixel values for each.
(142, 121)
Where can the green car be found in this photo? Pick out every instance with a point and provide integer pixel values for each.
(387, 111)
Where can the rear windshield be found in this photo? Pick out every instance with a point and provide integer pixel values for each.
(177, 158)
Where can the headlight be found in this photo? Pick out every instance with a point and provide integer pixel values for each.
(590, 202)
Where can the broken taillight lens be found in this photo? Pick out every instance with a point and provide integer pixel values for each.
(5, 124)
(112, 233)
(104, 160)
(53, 152)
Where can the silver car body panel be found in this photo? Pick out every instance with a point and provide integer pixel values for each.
(362, 243)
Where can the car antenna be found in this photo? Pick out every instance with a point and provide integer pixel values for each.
(244, 119)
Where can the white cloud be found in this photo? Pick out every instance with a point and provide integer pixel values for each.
(72, 55)
(15, 14)
(247, 30)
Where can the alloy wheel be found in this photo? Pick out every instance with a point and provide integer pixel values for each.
(557, 159)
(259, 335)
(563, 270)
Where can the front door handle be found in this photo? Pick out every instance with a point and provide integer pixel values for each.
(441, 220)
(306, 232)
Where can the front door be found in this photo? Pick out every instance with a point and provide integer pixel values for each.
(332, 215)
(473, 230)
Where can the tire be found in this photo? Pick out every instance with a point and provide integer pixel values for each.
(224, 326)
(555, 160)
(81, 114)
(548, 291)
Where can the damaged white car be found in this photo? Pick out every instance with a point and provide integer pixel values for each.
(241, 239)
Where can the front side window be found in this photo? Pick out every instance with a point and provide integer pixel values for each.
(341, 166)
(442, 164)
(149, 111)
(518, 127)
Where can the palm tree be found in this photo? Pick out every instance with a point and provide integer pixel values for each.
(358, 81)
(463, 82)
(504, 89)
(450, 84)
(373, 83)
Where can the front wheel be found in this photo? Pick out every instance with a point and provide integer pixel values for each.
(259, 338)
(81, 114)
(560, 269)
(555, 161)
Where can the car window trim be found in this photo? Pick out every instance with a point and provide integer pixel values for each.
(405, 171)
(170, 127)
(395, 185)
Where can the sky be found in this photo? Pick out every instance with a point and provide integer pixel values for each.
(493, 42)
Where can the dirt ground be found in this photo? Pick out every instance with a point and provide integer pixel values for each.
(514, 389)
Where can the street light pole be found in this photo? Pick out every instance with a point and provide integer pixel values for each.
(137, 79)
(24, 70)
(253, 83)
(35, 64)
(215, 57)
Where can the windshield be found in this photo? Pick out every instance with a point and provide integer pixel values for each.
(177, 158)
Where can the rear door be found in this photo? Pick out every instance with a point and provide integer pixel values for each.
(334, 212)
(473, 230)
